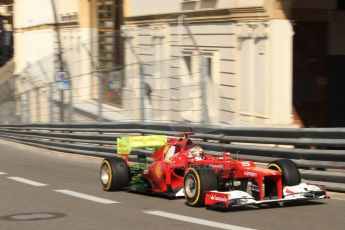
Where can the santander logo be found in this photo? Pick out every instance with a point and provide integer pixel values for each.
(223, 199)
(250, 174)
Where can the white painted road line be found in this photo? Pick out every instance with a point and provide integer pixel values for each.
(26, 181)
(87, 197)
(197, 221)
(2, 173)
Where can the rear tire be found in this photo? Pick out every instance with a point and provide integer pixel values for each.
(197, 180)
(290, 175)
(115, 174)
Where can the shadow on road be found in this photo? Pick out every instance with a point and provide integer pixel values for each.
(266, 206)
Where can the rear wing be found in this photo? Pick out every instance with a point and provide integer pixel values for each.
(126, 144)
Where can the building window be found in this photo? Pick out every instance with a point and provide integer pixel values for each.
(245, 75)
(253, 77)
(341, 5)
(159, 56)
(260, 75)
(188, 64)
(106, 33)
(109, 13)
(69, 17)
(209, 67)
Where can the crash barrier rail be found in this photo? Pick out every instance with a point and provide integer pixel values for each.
(318, 152)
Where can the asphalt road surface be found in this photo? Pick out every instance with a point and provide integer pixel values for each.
(41, 189)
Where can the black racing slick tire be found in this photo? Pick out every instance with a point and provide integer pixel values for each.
(197, 181)
(291, 175)
(115, 174)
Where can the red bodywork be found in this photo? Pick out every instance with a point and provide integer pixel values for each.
(167, 174)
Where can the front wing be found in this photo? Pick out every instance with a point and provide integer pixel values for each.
(237, 198)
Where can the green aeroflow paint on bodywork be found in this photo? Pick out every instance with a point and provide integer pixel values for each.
(124, 147)
(126, 144)
(137, 184)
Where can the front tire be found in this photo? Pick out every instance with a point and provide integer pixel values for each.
(290, 175)
(197, 181)
(114, 174)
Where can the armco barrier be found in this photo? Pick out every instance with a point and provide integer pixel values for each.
(318, 152)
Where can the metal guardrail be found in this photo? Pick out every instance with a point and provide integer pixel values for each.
(318, 152)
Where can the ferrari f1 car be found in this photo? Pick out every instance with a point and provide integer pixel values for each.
(180, 168)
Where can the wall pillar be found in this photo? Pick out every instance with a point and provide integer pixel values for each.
(281, 41)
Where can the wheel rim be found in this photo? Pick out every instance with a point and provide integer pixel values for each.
(105, 174)
(190, 186)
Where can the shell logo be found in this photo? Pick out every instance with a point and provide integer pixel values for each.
(166, 149)
(158, 172)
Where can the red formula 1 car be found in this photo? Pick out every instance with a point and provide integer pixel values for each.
(179, 168)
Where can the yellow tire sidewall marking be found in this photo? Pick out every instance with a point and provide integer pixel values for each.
(199, 185)
(276, 166)
(108, 185)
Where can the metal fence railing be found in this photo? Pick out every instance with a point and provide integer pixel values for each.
(318, 152)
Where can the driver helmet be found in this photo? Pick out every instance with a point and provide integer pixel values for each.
(196, 151)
